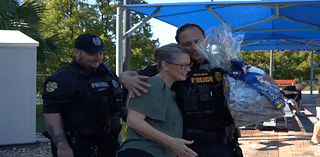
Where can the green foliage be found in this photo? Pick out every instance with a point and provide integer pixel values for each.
(25, 17)
(56, 24)
(40, 83)
(70, 18)
(287, 64)
(258, 58)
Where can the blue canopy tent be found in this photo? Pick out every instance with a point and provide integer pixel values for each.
(268, 24)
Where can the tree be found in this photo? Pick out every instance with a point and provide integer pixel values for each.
(257, 58)
(25, 17)
(288, 64)
(69, 18)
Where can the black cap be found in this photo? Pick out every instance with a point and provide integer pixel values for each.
(89, 43)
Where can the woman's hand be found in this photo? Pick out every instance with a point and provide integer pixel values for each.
(136, 121)
(180, 148)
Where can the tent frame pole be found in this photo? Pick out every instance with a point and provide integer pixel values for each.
(311, 71)
(217, 16)
(312, 68)
(120, 36)
(145, 20)
(274, 17)
(119, 41)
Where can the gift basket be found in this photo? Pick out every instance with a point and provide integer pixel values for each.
(251, 98)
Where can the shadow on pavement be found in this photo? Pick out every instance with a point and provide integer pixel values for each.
(273, 145)
(306, 123)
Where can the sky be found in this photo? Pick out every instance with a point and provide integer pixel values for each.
(166, 35)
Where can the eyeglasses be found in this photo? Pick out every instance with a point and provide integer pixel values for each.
(183, 67)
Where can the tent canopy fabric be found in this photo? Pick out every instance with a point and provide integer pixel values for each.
(268, 24)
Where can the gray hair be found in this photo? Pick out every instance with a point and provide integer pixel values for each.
(168, 53)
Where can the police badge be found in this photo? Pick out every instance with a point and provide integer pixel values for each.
(96, 41)
(115, 84)
(51, 86)
(218, 76)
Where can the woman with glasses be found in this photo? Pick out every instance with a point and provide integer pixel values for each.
(154, 119)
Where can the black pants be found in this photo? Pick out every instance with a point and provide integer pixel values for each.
(130, 152)
(213, 149)
(86, 150)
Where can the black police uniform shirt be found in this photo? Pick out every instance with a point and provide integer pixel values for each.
(219, 119)
(63, 89)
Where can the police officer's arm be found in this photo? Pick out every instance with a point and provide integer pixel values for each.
(136, 120)
(290, 92)
(56, 131)
(134, 83)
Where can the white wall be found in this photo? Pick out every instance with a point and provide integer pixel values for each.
(17, 90)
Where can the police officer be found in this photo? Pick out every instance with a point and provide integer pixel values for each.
(207, 119)
(82, 103)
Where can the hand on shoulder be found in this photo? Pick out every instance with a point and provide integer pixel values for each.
(134, 83)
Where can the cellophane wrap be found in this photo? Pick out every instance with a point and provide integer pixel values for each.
(220, 46)
(247, 106)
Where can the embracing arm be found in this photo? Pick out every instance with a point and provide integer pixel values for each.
(56, 131)
(134, 83)
(136, 120)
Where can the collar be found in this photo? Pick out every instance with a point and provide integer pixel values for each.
(196, 66)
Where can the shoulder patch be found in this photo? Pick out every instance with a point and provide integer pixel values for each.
(51, 86)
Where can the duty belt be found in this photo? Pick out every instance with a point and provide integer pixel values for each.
(210, 136)
(199, 135)
(222, 136)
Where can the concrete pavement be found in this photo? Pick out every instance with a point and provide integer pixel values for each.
(290, 142)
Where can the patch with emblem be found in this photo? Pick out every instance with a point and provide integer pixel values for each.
(218, 76)
(96, 41)
(51, 86)
(115, 84)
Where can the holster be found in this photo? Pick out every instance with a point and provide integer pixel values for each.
(236, 148)
(73, 140)
(235, 144)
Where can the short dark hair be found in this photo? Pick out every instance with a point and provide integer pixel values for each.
(185, 26)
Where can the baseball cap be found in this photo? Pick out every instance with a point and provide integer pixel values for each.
(89, 43)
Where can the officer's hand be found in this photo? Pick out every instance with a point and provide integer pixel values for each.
(134, 83)
(64, 151)
(179, 147)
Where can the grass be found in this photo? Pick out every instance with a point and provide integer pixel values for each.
(40, 124)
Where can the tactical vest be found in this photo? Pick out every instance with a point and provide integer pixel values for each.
(201, 100)
(98, 113)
